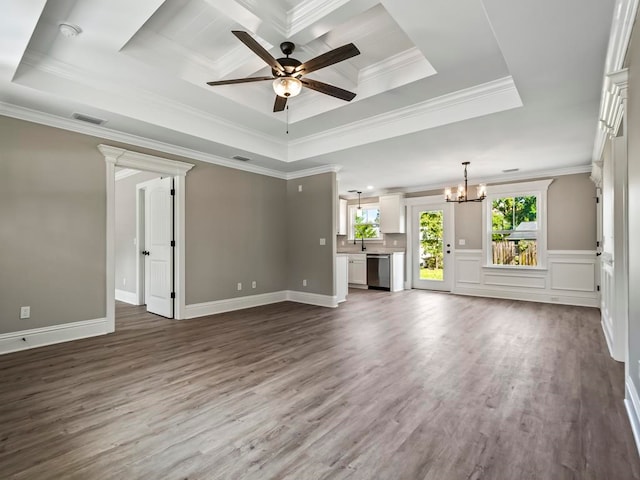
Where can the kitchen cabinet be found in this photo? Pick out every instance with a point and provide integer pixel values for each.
(342, 277)
(342, 217)
(397, 271)
(358, 269)
(392, 216)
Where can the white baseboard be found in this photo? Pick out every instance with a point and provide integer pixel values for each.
(632, 402)
(126, 297)
(312, 299)
(607, 337)
(231, 304)
(529, 296)
(39, 337)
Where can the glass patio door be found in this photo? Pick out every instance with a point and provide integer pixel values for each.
(432, 247)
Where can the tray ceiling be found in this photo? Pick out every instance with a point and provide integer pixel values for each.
(437, 82)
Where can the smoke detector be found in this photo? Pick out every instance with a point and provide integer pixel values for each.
(69, 30)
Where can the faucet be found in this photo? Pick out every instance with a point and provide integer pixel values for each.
(363, 247)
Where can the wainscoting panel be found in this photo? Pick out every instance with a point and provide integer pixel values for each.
(514, 280)
(570, 278)
(467, 266)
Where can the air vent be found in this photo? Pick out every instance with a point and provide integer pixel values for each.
(510, 170)
(86, 118)
(242, 159)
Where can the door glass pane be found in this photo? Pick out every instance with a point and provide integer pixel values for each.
(431, 255)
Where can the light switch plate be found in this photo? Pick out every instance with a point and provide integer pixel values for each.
(323, 241)
(25, 312)
(462, 241)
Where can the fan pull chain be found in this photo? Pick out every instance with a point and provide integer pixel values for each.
(287, 119)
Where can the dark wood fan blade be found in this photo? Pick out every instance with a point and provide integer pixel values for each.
(280, 103)
(328, 89)
(239, 80)
(332, 56)
(258, 49)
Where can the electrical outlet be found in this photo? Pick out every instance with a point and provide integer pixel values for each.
(239, 286)
(124, 282)
(462, 241)
(304, 283)
(342, 243)
(395, 243)
(25, 312)
(323, 241)
(299, 188)
(254, 284)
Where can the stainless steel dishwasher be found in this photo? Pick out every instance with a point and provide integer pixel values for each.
(379, 271)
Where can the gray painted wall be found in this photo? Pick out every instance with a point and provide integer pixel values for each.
(53, 216)
(236, 232)
(52, 226)
(311, 216)
(571, 215)
(633, 139)
(126, 250)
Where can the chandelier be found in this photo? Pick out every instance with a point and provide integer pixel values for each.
(460, 195)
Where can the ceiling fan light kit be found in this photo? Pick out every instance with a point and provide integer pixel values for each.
(287, 86)
(287, 73)
(460, 195)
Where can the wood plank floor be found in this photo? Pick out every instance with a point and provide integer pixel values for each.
(410, 385)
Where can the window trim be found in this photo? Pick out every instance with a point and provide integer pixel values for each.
(538, 189)
(351, 222)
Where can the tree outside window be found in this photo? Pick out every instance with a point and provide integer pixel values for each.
(514, 233)
(365, 223)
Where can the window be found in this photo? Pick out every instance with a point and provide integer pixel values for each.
(364, 222)
(514, 235)
(515, 225)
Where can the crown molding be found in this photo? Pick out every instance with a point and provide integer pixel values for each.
(22, 113)
(619, 38)
(76, 126)
(500, 179)
(313, 171)
(308, 12)
(491, 97)
(398, 62)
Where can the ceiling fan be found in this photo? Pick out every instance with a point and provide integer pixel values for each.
(288, 74)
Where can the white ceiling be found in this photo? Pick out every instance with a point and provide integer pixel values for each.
(500, 83)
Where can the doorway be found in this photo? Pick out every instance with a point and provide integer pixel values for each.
(118, 157)
(156, 243)
(432, 246)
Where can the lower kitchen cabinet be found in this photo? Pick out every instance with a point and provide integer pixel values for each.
(358, 269)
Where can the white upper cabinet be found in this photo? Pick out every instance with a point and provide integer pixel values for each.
(392, 218)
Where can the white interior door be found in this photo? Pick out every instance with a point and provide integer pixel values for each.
(158, 250)
(432, 244)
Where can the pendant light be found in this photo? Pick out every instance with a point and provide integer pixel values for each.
(461, 194)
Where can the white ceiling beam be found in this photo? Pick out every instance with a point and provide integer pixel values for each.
(115, 25)
(17, 23)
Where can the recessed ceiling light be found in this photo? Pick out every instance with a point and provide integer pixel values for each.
(510, 170)
(69, 30)
(369, 187)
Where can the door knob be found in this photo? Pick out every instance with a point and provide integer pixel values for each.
(144, 252)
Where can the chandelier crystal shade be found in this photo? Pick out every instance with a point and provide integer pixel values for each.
(461, 194)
